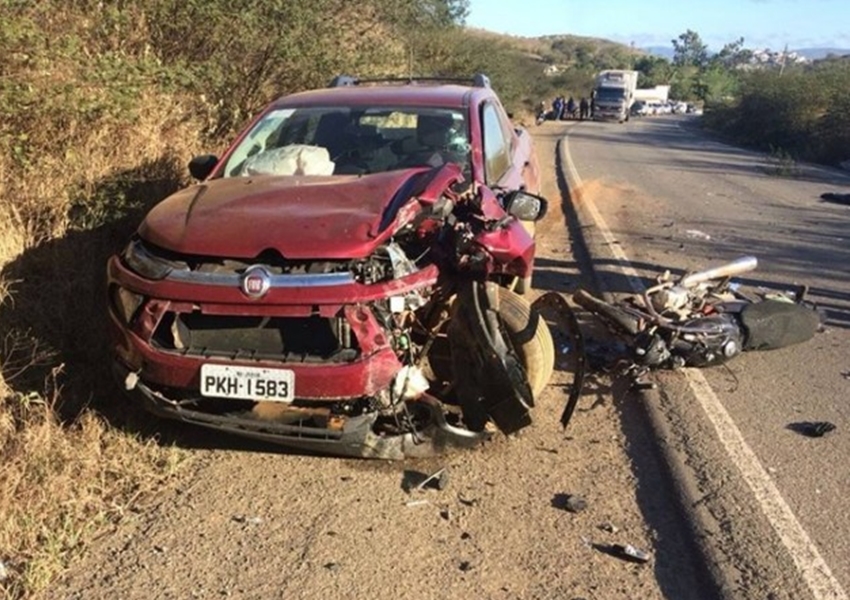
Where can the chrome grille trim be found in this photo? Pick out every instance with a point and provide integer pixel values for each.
(276, 281)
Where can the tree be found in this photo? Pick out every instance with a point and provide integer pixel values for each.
(685, 83)
(415, 15)
(716, 84)
(654, 70)
(732, 55)
(689, 50)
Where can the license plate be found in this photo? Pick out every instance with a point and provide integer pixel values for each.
(248, 383)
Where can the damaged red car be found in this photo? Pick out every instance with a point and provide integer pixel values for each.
(347, 278)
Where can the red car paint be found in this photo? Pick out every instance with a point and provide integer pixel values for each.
(209, 233)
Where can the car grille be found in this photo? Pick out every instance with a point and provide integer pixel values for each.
(311, 339)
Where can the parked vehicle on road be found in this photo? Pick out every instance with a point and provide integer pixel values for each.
(614, 94)
(346, 277)
(640, 108)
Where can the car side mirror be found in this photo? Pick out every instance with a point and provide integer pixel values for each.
(525, 206)
(201, 166)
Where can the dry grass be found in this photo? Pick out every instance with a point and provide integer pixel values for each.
(61, 483)
(69, 464)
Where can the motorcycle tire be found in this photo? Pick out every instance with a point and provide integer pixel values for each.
(530, 337)
(626, 322)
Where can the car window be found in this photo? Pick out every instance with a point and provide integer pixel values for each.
(350, 140)
(497, 151)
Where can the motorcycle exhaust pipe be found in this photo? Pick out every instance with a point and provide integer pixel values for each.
(736, 267)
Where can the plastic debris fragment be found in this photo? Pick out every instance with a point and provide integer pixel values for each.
(629, 552)
(812, 428)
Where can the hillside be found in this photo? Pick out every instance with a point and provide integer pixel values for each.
(548, 66)
(807, 53)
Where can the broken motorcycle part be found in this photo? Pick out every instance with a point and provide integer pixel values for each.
(812, 429)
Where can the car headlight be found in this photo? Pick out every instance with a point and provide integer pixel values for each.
(126, 303)
(142, 262)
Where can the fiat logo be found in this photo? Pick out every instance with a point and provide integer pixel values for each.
(256, 281)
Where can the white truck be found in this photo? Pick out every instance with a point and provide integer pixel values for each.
(614, 94)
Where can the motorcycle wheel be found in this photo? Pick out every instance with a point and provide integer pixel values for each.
(530, 336)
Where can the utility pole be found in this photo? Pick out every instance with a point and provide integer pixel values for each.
(784, 58)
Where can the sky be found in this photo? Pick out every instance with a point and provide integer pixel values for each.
(762, 23)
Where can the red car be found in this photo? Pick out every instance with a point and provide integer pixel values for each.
(344, 278)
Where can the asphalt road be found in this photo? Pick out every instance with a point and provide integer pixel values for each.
(767, 504)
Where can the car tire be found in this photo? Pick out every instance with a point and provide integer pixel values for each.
(530, 337)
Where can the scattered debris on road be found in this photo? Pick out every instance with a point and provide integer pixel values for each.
(696, 234)
(836, 198)
(438, 479)
(629, 552)
(609, 527)
(567, 321)
(569, 502)
(812, 428)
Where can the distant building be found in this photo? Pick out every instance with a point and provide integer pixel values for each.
(767, 57)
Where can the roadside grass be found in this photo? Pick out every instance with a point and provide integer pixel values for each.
(62, 483)
(75, 457)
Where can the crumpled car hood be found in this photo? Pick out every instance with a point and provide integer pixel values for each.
(300, 217)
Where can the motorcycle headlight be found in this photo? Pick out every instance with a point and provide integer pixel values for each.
(142, 262)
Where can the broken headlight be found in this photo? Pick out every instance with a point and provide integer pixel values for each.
(143, 262)
(126, 303)
(389, 262)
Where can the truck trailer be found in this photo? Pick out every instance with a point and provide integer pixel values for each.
(614, 94)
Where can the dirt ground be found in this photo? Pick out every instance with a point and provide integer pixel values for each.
(253, 521)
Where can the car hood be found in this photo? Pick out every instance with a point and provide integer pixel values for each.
(300, 217)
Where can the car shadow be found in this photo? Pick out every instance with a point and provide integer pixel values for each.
(53, 320)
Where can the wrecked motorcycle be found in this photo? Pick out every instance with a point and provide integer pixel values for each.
(703, 318)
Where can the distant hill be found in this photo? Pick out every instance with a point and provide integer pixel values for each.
(662, 51)
(809, 53)
(818, 53)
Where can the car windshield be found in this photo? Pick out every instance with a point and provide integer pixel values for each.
(350, 140)
(609, 94)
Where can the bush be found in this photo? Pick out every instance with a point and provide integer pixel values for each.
(803, 111)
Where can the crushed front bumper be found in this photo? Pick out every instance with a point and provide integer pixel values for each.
(354, 438)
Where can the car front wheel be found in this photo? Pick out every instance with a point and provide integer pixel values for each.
(530, 337)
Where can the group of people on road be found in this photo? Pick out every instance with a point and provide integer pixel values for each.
(565, 108)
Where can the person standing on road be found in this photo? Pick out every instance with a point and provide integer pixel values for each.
(571, 108)
(541, 112)
(583, 108)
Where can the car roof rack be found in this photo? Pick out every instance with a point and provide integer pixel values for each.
(478, 80)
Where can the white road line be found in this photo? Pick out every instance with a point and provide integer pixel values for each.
(812, 567)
